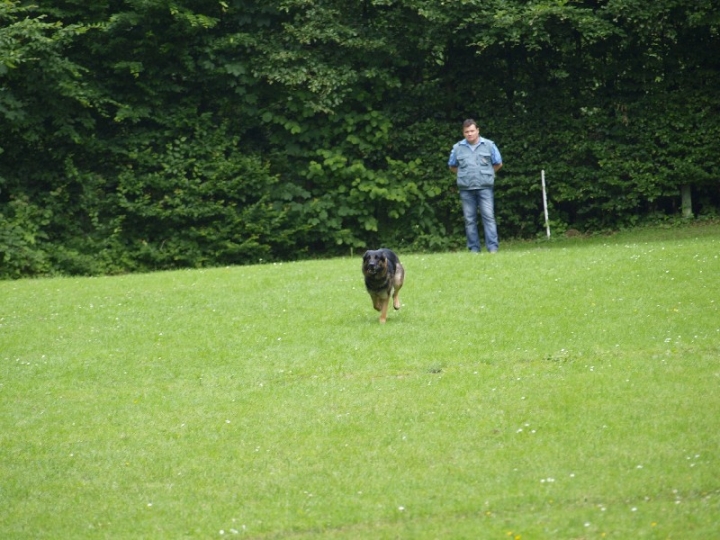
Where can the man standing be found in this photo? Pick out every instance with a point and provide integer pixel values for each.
(475, 161)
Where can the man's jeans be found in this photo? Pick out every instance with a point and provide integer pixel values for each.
(479, 199)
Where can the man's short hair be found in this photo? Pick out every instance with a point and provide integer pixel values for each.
(469, 122)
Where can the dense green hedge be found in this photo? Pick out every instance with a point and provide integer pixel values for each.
(167, 134)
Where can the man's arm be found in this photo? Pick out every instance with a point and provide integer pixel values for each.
(496, 158)
(452, 162)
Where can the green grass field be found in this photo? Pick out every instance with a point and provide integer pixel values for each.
(557, 390)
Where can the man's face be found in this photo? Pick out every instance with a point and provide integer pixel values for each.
(471, 133)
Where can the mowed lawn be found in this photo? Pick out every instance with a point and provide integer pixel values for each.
(557, 390)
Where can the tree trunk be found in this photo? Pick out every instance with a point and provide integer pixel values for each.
(686, 194)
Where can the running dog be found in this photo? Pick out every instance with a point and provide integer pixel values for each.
(384, 276)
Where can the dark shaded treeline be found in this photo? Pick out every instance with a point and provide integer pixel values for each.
(141, 135)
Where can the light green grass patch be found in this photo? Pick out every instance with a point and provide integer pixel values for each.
(555, 390)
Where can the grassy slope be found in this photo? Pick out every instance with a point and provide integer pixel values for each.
(562, 390)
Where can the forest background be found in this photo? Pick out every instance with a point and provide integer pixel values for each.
(140, 135)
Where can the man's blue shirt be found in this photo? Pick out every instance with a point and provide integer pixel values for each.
(475, 164)
(494, 152)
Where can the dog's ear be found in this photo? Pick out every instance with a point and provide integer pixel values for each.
(367, 255)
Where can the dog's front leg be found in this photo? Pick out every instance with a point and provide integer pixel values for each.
(396, 300)
(383, 309)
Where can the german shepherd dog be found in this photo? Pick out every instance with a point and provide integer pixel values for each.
(384, 276)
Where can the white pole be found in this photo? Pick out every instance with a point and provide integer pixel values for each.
(547, 221)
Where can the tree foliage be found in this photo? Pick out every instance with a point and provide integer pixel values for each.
(142, 135)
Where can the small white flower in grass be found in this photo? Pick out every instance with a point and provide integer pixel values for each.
(639, 467)
(633, 509)
(401, 508)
